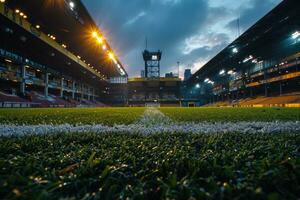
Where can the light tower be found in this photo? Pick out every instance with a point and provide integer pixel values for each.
(152, 63)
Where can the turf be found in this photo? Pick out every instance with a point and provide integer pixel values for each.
(232, 114)
(222, 166)
(106, 116)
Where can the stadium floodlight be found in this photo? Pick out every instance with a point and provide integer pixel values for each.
(17, 10)
(71, 4)
(112, 57)
(296, 35)
(37, 26)
(2, 1)
(222, 72)
(230, 72)
(248, 58)
(104, 47)
(95, 34)
(235, 50)
(197, 85)
(100, 40)
(206, 80)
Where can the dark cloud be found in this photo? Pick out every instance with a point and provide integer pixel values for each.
(172, 26)
(252, 14)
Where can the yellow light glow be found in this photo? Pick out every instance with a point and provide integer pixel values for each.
(21, 14)
(37, 26)
(111, 56)
(104, 47)
(17, 11)
(25, 16)
(2, 1)
(95, 34)
(100, 40)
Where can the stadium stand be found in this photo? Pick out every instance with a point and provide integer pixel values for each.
(288, 100)
(48, 62)
(259, 68)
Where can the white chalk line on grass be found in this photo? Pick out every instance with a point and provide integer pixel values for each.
(152, 122)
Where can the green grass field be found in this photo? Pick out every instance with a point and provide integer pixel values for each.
(106, 116)
(138, 166)
(232, 114)
(111, 116)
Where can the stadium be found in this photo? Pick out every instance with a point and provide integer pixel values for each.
(74, 124)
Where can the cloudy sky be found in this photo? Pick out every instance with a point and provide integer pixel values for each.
(188, 31)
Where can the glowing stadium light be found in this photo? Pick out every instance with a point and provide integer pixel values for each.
(2, 1)
(235, 50)
(64, 46)
(206, 80)
(21, 14)
(72, 5)
(25, 16)
(230, 72)
(222, 72)
(197, 85)
(7, 60)
(100, 40)
(112, 57)
(296, 35)
(95, 34)
(17, 11)
(248, 58)
(37, 26)
(104, 47)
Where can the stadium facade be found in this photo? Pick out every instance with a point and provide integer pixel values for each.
(53, 54)
(260, 68)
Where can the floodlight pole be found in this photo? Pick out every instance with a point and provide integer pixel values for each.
(178, 65)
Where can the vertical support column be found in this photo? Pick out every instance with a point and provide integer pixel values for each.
(82, 91)
(266, 89)
(280, 88)
(89, 93)
(265, 78)
(62, 87)
(93, 92)
(73, 90)
(23, 84)
(46, 84)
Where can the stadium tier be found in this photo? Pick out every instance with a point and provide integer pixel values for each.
(261, 67)
(48, 62)
(154, 91)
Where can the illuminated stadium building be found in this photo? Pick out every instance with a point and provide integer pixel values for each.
(261, 67)
(153, 89)
(53, 54)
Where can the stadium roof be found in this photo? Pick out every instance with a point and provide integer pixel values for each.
(69, 24)
(271, 31)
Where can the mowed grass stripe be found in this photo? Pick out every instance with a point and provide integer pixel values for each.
(232, 114)
(105, 116)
